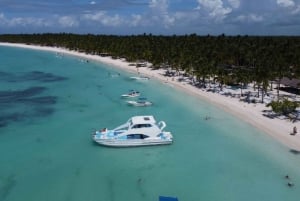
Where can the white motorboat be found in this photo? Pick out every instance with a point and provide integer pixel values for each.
(131, 94)
(141, 102)
(140, 78)
(137, 131)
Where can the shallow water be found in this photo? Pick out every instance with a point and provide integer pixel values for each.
(50, 105)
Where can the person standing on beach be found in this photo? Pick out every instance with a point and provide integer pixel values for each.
(294, 130)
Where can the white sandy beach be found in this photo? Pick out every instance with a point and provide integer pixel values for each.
(279, 129)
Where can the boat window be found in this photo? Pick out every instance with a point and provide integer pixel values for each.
(142, 126)
(136, 136)
(144, 136)
(121, 129)
(117, 132)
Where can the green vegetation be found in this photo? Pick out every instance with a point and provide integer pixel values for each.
(238, 60)
(284, 107)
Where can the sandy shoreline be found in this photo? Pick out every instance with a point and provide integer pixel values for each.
(279, 129)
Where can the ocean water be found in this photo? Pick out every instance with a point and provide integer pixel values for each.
(50, 104)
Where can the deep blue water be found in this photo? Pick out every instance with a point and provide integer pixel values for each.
(50, 105)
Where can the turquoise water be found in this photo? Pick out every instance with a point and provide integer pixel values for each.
(50, 105)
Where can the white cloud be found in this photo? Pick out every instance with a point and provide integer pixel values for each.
(2, 18)
(103, 18)
(136, 20)
(68, 21)
(234, 3)
(215, 8)
(160, 13)
(23, 21)
(296, 11)
(161, 5)
(292, 7)
(112, 20)
(250, 18)
(94, 16)
(93, 2)
(286, 3)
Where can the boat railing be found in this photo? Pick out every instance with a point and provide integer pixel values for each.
(162, 125)
(122, 127)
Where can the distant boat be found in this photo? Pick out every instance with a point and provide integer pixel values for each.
(137, 131)
(141, 78)
(131, 94)
(141, 102)
(115, 75)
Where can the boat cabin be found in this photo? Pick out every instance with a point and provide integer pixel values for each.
(142, 120)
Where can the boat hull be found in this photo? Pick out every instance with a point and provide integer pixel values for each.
(137, 131)
(137, 104)
(131, 143)
(140, 78)
(129, 96)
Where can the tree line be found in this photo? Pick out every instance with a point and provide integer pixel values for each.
(229, 59)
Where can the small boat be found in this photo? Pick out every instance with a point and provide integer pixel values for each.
(141, 102)
(131, 94)
(141, 78)
(137, 131)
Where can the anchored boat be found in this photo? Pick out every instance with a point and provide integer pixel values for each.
(131, 94)
(137, 131)
(141, 102)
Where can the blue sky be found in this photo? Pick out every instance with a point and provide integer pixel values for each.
(167, 17)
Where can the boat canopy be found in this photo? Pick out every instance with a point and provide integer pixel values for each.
(143, 120)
